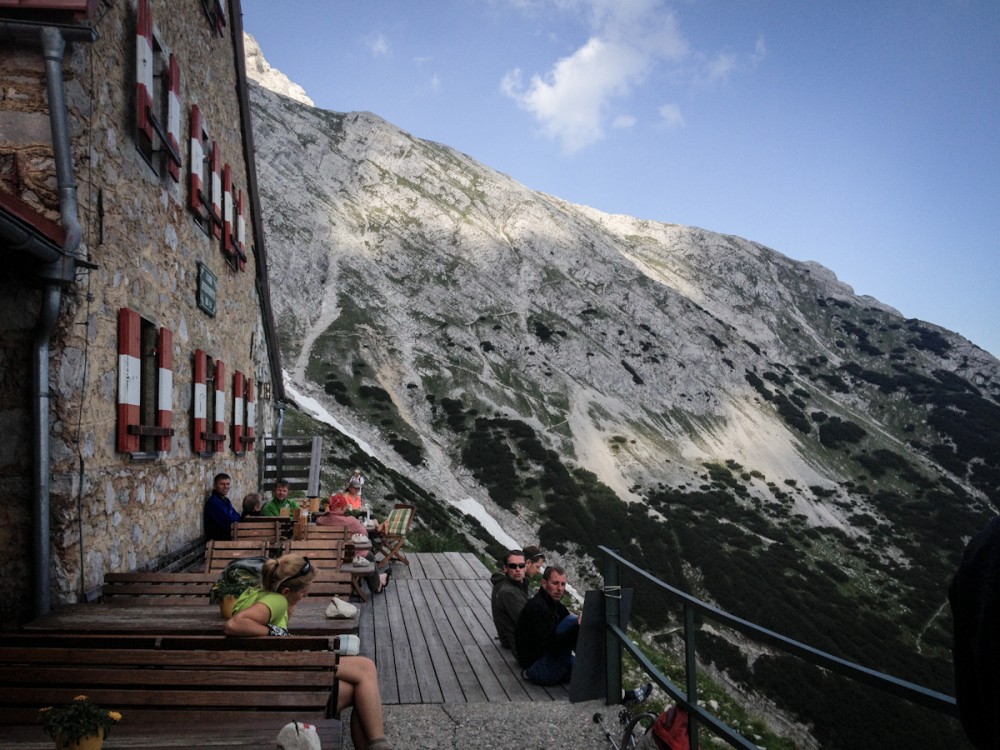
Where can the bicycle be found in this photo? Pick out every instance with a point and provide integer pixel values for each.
(635, 725)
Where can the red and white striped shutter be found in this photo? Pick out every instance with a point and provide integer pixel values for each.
(220, 17)
(165, 394)
(200, 425)
(129, 375)
(241, 231)
(174, 117)
(195, 202)
(220, 404)
(144, 68)
(238, 411)
(216, 190)
(251, 415)
(227, 210)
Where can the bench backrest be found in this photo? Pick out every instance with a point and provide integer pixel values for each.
(193, 679)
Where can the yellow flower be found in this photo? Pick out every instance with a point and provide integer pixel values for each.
(80, 698)
(43, 710)
(115, 715)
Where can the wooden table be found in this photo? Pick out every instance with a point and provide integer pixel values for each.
(309, 618)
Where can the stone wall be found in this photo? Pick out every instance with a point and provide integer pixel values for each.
(146, 246)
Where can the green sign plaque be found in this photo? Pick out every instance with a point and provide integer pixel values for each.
(207, 283)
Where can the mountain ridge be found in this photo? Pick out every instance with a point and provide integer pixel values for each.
(602, 379)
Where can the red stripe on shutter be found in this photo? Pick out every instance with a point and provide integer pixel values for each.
(216, 211)
(200, 413)
(144, 68)
(165, 390)
(174, 118)
(248, 441)
(227, 210)
(220, 17)
(129, 372)
(238, 411)
(196, 200)
(220, 404)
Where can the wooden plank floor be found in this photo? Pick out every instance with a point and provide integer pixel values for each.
(431, 634)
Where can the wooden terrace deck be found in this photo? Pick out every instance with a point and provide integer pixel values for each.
(431, 634)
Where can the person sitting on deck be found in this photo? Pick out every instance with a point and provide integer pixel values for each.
(509, 595)
(350, 496)
(219, 514)
(252, 504)
(335, 516)
(534, 562)
(266, 611)
(547, 632)
(280, 501)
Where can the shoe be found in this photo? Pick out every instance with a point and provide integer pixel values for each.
(639, 694)
(362, 562)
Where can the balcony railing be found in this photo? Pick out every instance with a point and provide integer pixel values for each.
(617, 639)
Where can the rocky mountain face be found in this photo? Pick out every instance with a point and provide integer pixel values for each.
(739, 423)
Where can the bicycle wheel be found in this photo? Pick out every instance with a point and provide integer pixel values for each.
(635, 729)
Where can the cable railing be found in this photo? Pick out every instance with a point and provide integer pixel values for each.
(687, 697)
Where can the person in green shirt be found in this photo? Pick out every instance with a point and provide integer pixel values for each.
(279, 501)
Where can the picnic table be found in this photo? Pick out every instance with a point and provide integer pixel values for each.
(309, 618)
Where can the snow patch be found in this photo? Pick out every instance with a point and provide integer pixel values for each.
(475, 509)
(316, 410)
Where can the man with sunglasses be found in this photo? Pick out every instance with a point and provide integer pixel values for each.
(510, 594)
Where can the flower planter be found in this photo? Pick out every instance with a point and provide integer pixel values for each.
(90, 742)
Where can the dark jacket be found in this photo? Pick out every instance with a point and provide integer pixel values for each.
(536, 629)
(975, 605)
(507, 600)
(219, 517)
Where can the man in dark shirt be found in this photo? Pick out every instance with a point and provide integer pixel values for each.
(546, 632)
(975, 605)
(509, 595)
(219, 512)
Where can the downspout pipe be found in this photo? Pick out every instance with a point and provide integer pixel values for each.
(55, 275)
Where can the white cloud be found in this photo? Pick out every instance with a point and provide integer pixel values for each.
(671, 116)
(379, 46)
(574, 100)
(759, 51)
(623, 122)
(719, 68)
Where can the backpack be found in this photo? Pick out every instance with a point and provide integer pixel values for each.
(244, 570)
(670, 730)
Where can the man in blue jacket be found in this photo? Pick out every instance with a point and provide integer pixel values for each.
(219, 511)
(547, 632)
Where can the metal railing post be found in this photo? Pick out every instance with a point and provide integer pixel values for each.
(691, 673)
(612, 617)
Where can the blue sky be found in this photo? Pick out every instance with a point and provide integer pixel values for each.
(862, 134)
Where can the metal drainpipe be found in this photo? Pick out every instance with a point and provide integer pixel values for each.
(53, 48)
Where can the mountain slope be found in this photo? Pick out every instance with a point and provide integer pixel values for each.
(742, 423)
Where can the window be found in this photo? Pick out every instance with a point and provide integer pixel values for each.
(158, 88)
(145, 386)
(205, 177)
(244, 413)
(215, 11)
(209, 408)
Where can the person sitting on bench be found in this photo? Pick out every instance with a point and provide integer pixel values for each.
(266, 610)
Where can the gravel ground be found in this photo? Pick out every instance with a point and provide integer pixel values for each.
(558, 725)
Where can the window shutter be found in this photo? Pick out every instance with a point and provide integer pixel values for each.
(227, 210)
(129, 373)
(196, 200)
(241, 231)
(220, 17)
(200, 426)
(165, 395)
(248, 441)
(216, 209)
(174, 118)
(220, 404)
(144, 69)
(238, 411)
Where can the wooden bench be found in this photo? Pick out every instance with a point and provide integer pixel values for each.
(186, 588)
(219, 554)
(177, 691)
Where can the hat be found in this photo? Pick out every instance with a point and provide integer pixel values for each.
(531, 552)
(354, 483)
